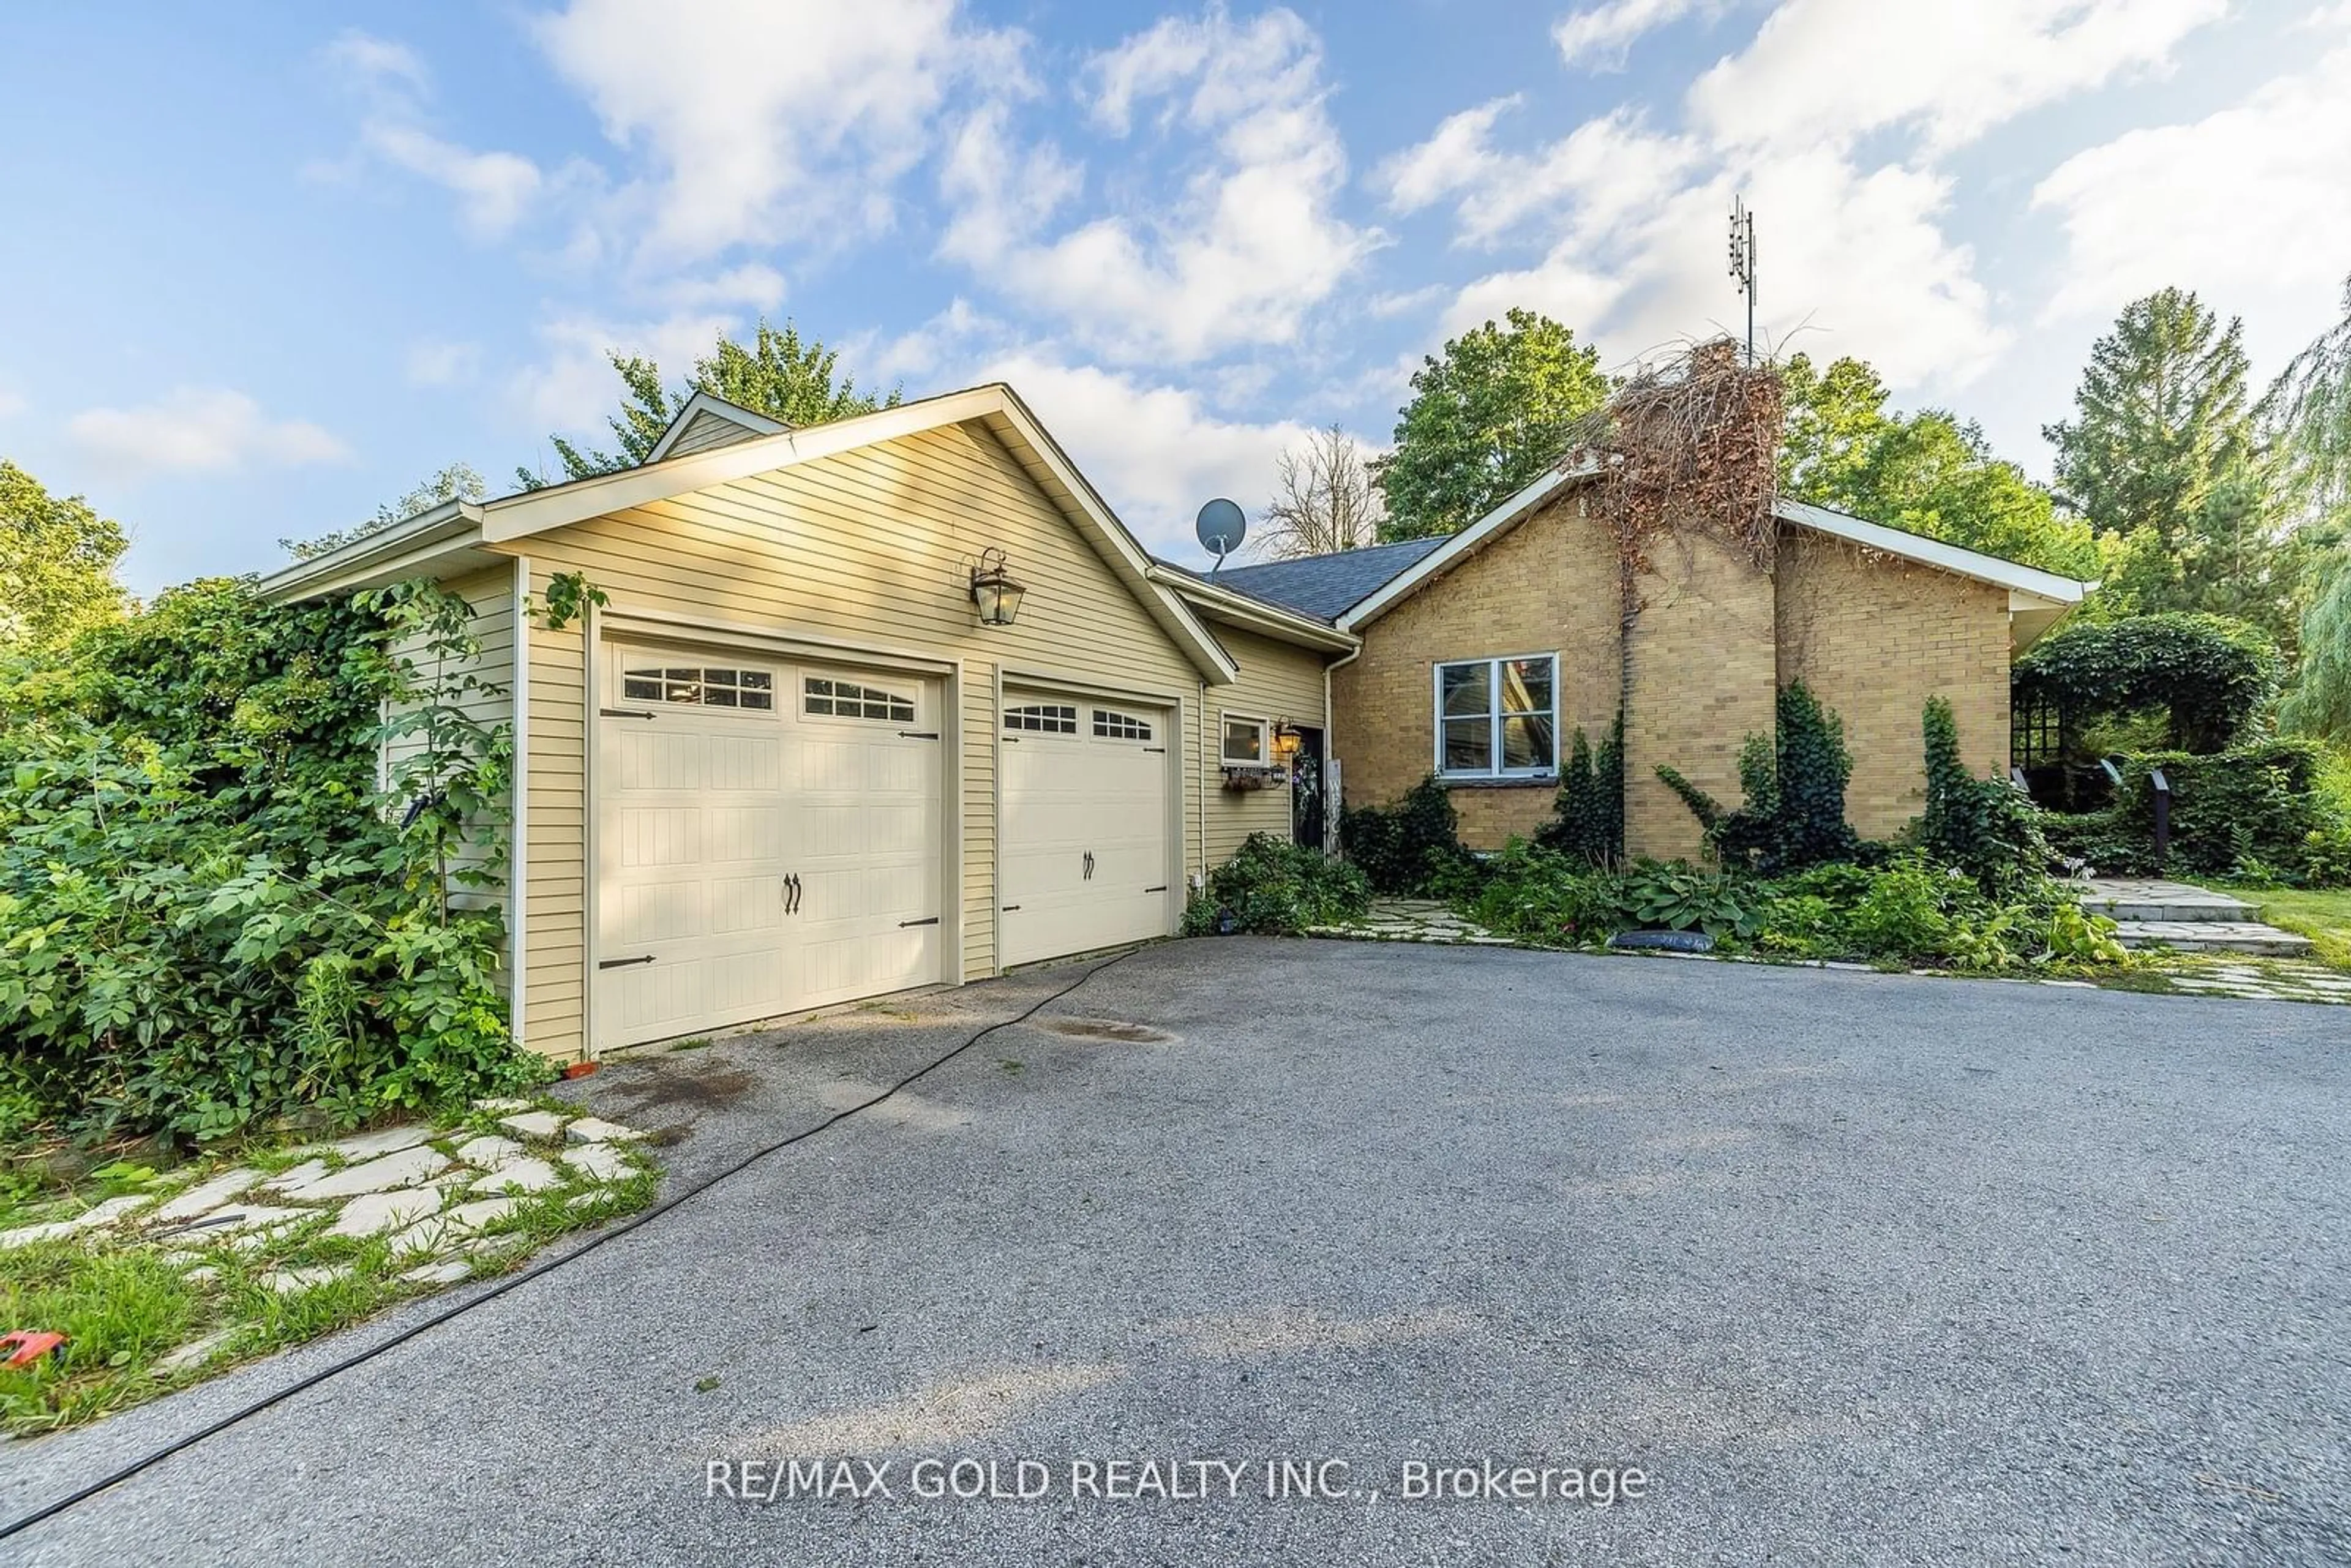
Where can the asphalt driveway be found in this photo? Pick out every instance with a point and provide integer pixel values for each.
(1851, 1267)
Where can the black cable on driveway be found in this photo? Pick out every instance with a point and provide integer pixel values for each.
(536, 1272)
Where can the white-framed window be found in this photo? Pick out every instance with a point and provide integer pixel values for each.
(829, 697)
(699, 686)
(1112, 724)
(1498, 719)
(1244, 741)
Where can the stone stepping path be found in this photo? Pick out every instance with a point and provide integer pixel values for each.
(426, 1189)
(1413, 920)
(2275, 981)
(2149, 912)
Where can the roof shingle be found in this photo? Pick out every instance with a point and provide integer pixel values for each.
(1322, 586)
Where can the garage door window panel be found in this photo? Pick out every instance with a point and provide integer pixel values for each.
(1110, 725)
(1042, 718)
(700, 685)
(828, 697)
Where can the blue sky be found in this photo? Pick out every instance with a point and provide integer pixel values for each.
(267, 265)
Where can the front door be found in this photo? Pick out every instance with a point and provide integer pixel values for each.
(1307, 813)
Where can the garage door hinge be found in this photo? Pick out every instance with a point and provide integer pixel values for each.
(918, 735)
(623, 963)
(622, 713)
(1010, 907)
(1161, 888)
(934, 920)
(1160, 749)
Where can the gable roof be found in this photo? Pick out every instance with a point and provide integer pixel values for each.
(2037, 599)
(450, 537)
(706, 422)
(1322, 586)
(1227, 606)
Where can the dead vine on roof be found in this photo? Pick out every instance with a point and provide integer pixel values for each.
(1688, 444)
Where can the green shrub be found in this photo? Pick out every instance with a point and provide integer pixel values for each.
(1984, 827)
(1793, 782)
(2258, 803)
(2208, 673)
(1277, 888)
(1535, 894)
(1588, 819)
(209, 918)
(1408, 847)
(2098, 842)
(1666, 897)
(1903, 913)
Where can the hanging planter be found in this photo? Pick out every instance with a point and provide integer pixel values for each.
(1242, 779)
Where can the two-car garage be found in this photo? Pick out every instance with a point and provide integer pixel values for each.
(772, 834)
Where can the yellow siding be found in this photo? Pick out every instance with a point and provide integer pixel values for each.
(1277, 681)
(872, 547)
(490, 595)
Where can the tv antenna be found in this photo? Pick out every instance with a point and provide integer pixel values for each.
(1743, 262)
(1221, 527)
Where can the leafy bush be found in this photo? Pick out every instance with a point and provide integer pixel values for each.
(2211, 674)
(1662, 897)
(1536, 893)
(1793, 782)
(1984, 827)
(1277, 888)
(1408, 847)
(209, 917)
(1588, 819)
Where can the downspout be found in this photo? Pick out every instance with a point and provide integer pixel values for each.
(518, 785)
(1200, 788)
(1330, 810)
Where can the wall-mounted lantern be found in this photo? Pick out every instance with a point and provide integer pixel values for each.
(1287, 742)
(994, 590)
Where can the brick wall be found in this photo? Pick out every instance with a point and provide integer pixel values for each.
(1874, 638)
(1547, 586)
(1700, 669)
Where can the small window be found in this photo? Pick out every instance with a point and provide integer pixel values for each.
(1498, 719)
(1120, 725)
(1243, 742)
(700, 685)
(1042, 718)
(849, 699)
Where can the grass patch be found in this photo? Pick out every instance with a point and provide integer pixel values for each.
(2323, 916)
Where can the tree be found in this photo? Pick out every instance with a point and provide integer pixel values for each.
(1925, 472)
(2306, 418)
(1323, 500)
(1484, 422)
(2160, 459)
(781, 375)
(457, 482)
(57, 564)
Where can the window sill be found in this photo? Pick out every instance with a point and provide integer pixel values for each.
(1511, 782)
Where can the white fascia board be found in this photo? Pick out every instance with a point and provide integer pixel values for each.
(1256, 614)
(453, 524)
(1468, 542)
(2044, 587)
(757, 424)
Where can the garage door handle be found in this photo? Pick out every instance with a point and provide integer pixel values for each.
(1161, 888)
(792, 894)
(623, 963)
(1090, 865)
(622, 713)
(1010, 907)
(934, 920)
(918, 735)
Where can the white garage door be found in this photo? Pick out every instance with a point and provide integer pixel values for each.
(768, 840)
(1086, 860)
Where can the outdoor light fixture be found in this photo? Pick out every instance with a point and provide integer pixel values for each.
(1287, 741)
(993, 590)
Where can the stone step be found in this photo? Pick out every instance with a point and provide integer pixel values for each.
(2212, 936)
(2156, 899)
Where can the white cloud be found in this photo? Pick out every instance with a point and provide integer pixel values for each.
(1604, 172)
(1835, 69)
(2246, 205)
(1154, 451)
(1598, 35)
(494, 190)
(199, 430)
(771, 120)
(437, 363)
(574, 387)
(1250, 245)
(754, 285)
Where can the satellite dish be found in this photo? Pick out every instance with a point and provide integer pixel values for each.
(1221, 527)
